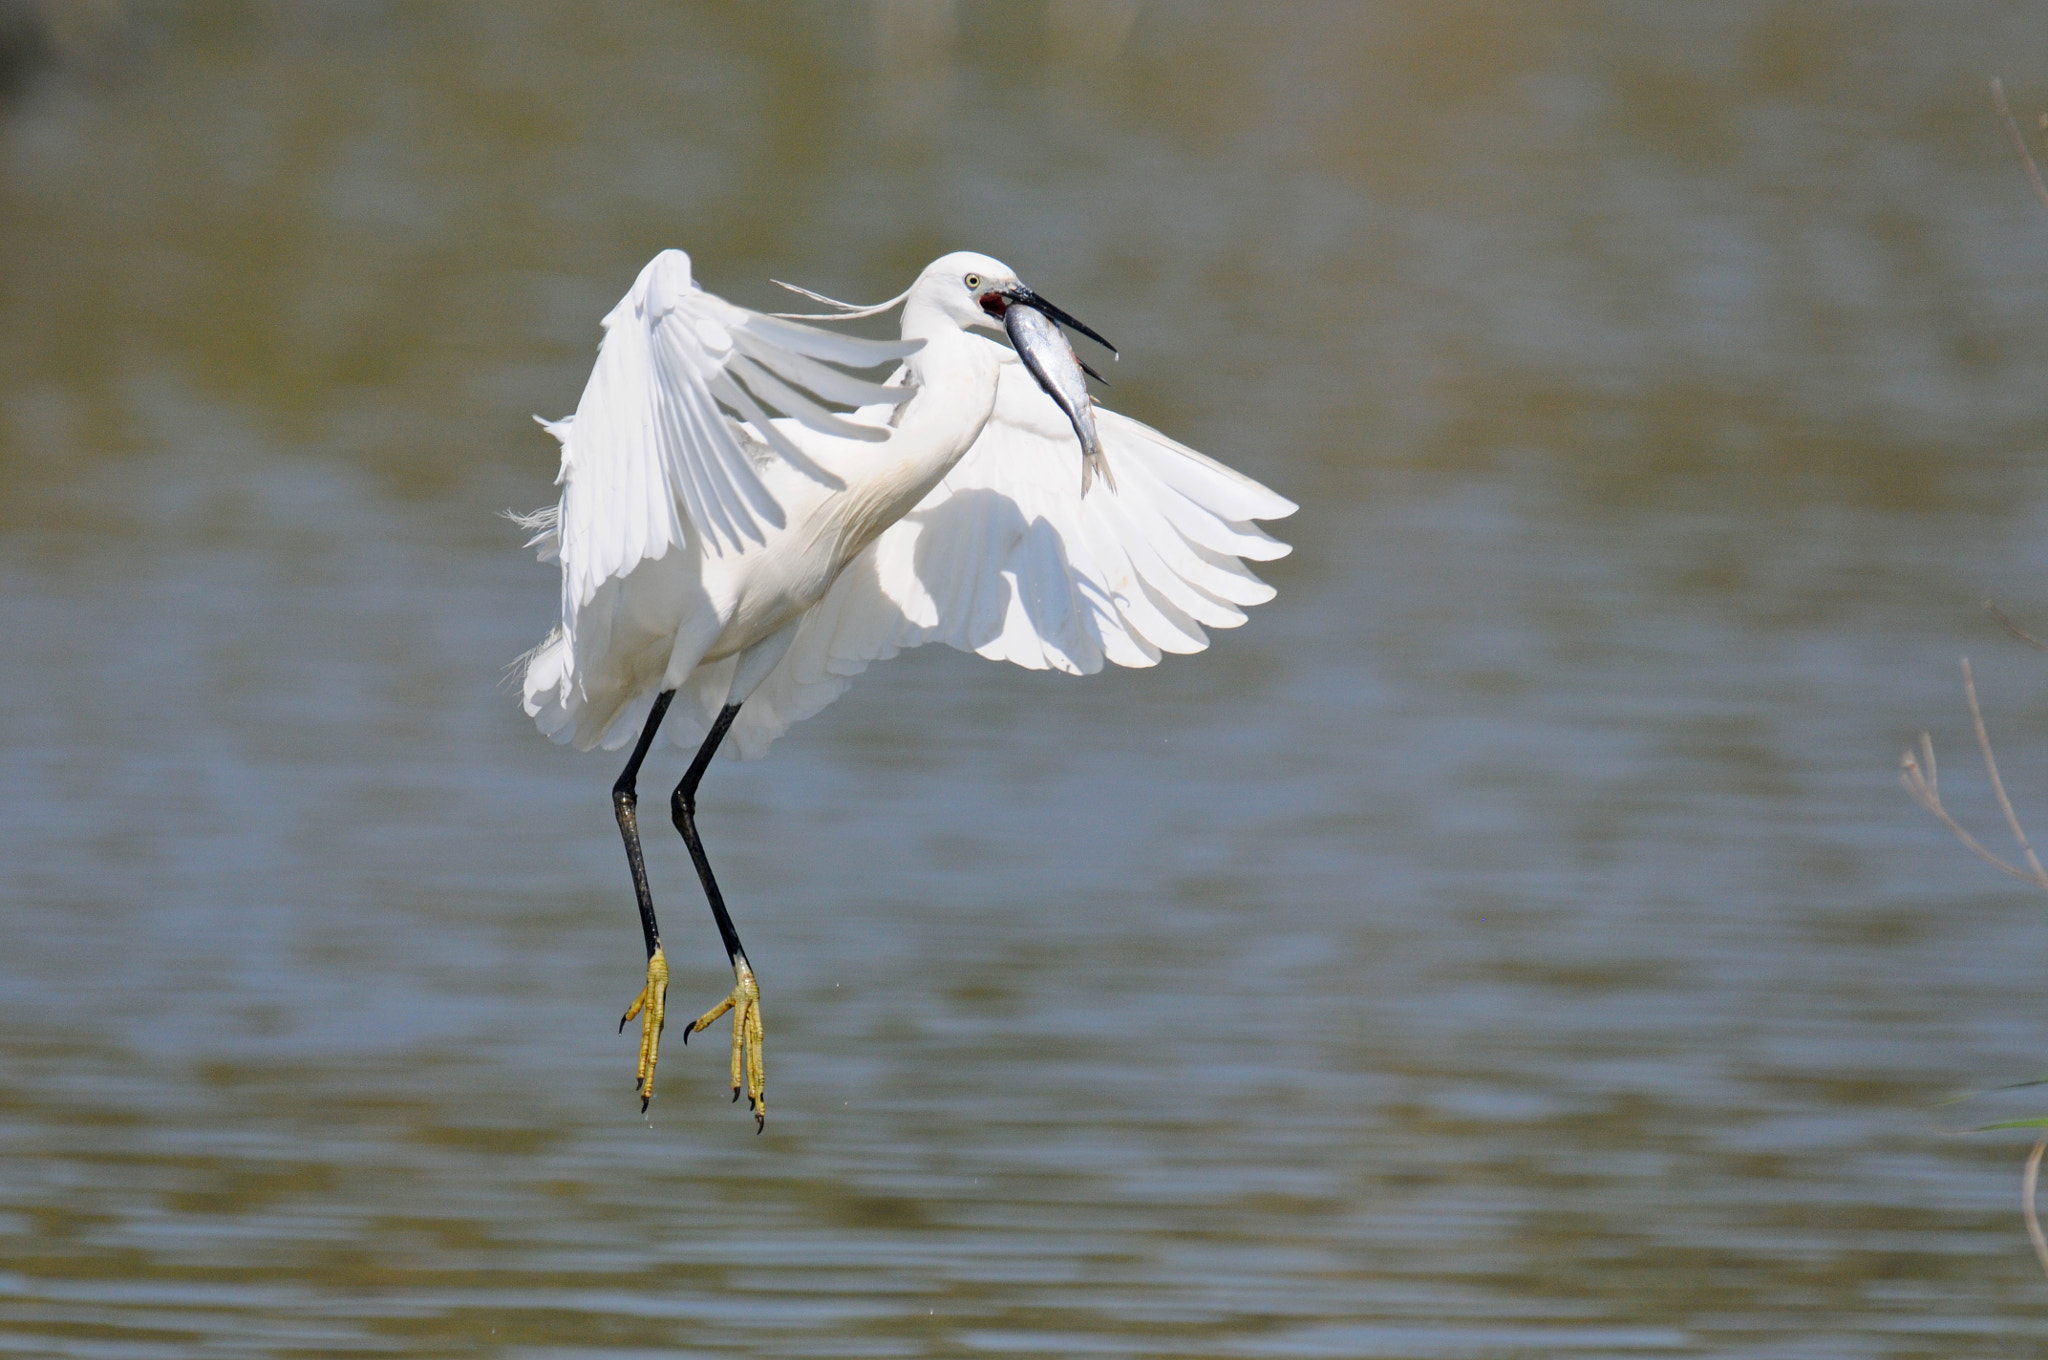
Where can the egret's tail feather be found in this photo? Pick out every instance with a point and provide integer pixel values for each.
(545, 524)
(548, 686)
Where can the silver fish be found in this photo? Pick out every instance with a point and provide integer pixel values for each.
(1034, 329)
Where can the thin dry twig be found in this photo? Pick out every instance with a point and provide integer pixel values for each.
(2005, 622)
(1920, 785)
(2027, 1183)
(2012, 820)
(2019, 142)
(1918, 776)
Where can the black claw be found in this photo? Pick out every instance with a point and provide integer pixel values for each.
(688, 1030)
(643, 1103)
(622, 1023)
(735, 1095)
(760, 1123)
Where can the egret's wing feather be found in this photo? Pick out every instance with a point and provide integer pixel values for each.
(765, 385)
(685, 424)
(663, 447)
(736, 396)
(853, 350)
(829, 383)
(720, 488)
(1008, 559)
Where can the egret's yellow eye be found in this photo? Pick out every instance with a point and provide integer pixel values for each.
(974, 280)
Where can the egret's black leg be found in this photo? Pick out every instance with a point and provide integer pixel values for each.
(653, 997)
(626, 807)
(745, 1001)
(682, 806)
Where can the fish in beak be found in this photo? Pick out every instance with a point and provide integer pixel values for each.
(1034, 328)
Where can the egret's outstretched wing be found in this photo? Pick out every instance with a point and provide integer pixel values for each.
(1008, 559)
(662, 447)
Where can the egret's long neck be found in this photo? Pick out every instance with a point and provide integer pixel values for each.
(955, 374)
(956, 391)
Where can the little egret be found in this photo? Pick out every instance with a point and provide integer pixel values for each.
(732, 571)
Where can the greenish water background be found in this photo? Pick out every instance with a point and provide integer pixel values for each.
(1511, 943)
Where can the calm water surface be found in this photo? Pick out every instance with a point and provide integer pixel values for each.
(1511, 943)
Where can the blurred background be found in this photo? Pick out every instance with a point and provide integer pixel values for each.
(1513, 942)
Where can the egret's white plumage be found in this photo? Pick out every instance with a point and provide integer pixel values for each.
(711, 549)
(674, 510)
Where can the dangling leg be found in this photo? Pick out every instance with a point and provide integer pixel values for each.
(626, 807)
(745, 1001)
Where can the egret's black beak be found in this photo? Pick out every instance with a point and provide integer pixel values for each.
(1024, 297)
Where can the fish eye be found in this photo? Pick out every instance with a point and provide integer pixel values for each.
(973, 280)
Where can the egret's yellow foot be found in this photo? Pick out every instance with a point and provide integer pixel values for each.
(652, 1001)
(747, 1037)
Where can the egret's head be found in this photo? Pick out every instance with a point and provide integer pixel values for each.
(976, 290)
(970, 288)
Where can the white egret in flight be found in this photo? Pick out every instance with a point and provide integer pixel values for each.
(732, 572)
